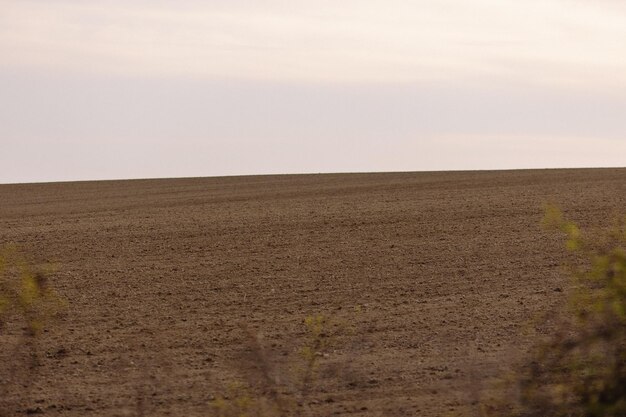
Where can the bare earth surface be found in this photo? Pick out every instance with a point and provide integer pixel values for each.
(430, 282)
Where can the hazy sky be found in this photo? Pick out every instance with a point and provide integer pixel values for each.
(148, 88)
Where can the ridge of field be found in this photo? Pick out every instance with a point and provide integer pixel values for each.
(440, 274)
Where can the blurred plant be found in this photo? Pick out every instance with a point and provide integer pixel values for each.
(581, 370)
(27, 302)
(279, 395)
(25, 292)
(311, 352)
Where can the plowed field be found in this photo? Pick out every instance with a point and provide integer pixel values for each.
(430, 283)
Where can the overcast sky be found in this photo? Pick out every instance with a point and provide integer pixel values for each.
(148, 88)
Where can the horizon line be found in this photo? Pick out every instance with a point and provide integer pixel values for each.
(313, 173)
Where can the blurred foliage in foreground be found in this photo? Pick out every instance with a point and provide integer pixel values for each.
(25, 292)
(281, 393)
(27, 304)
(581, 370)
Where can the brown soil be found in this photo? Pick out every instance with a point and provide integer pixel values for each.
(431, 282)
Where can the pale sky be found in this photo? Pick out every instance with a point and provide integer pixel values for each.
(148, 88)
